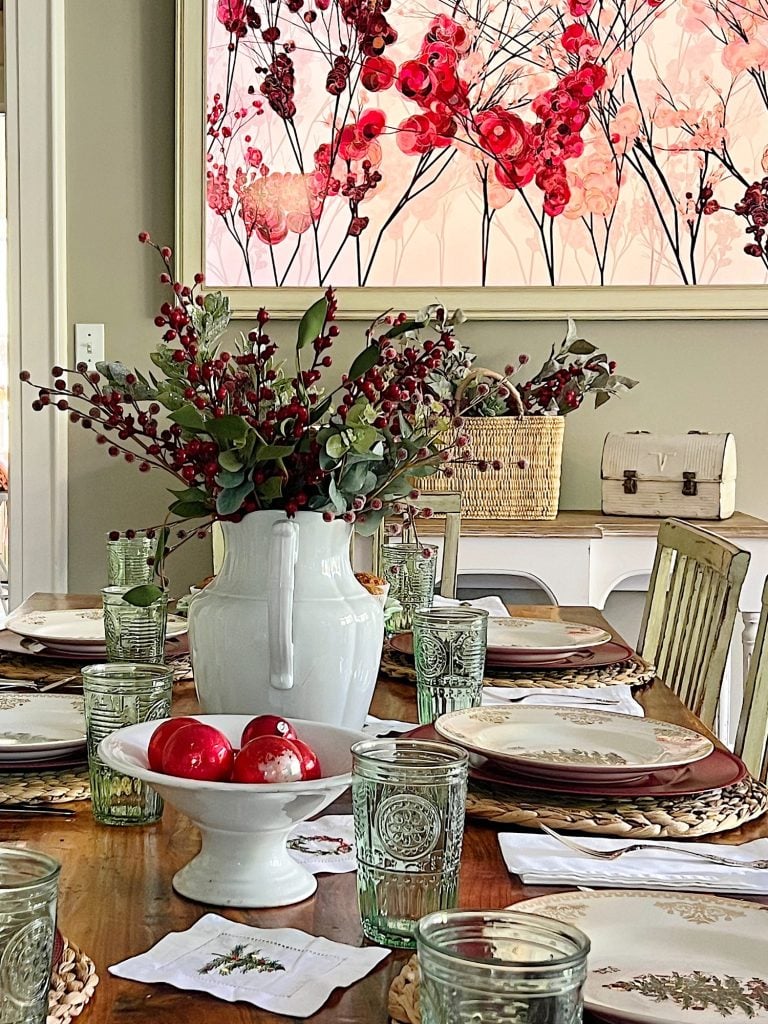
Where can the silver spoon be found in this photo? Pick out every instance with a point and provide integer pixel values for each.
(615, 854)
(570, 697)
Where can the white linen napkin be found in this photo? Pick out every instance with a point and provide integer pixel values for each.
(491, 604)
(541, 860)
(583, 697)
(326, 844)
(279, 969)
(384, 726)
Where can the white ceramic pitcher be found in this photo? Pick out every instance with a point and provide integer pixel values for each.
(285, 628)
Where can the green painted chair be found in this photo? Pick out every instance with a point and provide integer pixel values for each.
(692, 601)
(447, 504)
(752, 734)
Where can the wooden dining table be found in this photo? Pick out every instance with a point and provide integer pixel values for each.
(116, 897)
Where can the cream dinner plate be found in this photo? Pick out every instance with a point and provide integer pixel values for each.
(668, 957)
(74, 630)
(542, 636)
(572, 743)
(43, 725)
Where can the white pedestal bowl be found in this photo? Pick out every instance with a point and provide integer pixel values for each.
(243, 860)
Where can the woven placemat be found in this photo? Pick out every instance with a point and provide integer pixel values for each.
(403, 1001)
(717, 810)
(45, 787)
(73, 982)
(633, 672)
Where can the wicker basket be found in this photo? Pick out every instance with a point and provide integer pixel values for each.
(512, 492)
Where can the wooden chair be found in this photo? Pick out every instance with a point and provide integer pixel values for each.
(689, 613)
(449, 505)
(752, 734)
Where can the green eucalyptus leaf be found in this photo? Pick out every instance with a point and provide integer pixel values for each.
(371, 523)
(601, 398)
(267, 452)
(143, 596)
(229, 501)
(226, 428)
(320, 410)
(326, 461)
(271, 489)
(582, 347)
(403, 328)
(352, 480)
(190, 509)
(364, 438)
(311, 324)
(226, 479)
(364, 361)
(336, 498)
(230, 461)
(189, 418)
(336, 445)
(189, 494)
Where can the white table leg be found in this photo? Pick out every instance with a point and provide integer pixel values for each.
(748, 635)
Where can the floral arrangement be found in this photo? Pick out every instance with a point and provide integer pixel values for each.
(247, 432)
(573, 370)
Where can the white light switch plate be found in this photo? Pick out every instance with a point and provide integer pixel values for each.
(89, 344)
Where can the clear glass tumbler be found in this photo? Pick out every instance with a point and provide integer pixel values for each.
(449, 651)
(134, 632)
(502, 966)
(128, 559)
(117, 695)
(28, 888)
(410, 571)
(408, 798)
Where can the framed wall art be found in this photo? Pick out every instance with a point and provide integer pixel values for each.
(603, 158)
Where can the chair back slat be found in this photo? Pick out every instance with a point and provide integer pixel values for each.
(752, 733)
(690, 610)
(447, 504)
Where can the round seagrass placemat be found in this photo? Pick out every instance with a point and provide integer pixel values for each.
(403, 1001)
(73, 982)
(633, 672)
(702, 814)
(54, 786)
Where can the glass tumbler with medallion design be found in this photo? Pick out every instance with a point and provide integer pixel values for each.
(408, 799)
(410, 571)
(28, 889)
(134, 632)
(129, 558)
(449, 651)
(117, 695)
(500, 967)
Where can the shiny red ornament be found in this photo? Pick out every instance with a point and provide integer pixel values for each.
(268, 759)
(160, 738)
(310, 763)
(198, 751)
(268, 725)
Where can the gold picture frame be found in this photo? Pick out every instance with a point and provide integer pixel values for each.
(610, 302)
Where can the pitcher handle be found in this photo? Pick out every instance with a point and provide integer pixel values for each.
(284, 550)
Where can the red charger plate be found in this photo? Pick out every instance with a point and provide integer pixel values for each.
(601, 656)
(719, 769)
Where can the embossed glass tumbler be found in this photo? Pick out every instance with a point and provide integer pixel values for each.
(501, 966)
(128, 558)
(28, 888)
(117, 695)
(449, 650)
(408, 799)
(410, 571)
(134, 632)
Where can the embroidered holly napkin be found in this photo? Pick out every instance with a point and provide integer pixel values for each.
(279, 969)
(325, 844)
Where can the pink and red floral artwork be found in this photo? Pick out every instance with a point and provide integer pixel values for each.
(486, 142)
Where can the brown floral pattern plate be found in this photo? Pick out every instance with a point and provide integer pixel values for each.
(575, 744)
(668, 957)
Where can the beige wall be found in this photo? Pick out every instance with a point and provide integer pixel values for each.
(705, 375)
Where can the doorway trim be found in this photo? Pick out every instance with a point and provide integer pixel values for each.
(37, 293)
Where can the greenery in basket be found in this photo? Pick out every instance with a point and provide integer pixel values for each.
(573, 370)
(255, 428)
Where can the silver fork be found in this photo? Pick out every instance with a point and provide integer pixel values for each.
(566, 700)
(615, 854)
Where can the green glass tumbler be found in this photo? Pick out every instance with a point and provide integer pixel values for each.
(502, 966)
(117, 695)
(134, 632)
(410, 571)
(129, 558)
(408, 799)
(449, 647)
(28, 890)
